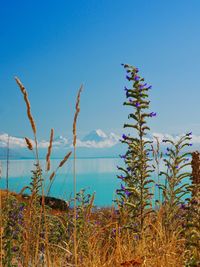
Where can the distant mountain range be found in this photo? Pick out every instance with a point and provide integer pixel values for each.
(95, 144)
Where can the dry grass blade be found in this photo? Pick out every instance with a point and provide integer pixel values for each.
(65, 159)
(48, 163)
(76, 114)
(28, 143)
(24, 92)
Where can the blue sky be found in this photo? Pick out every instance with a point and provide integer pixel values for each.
(54, 46)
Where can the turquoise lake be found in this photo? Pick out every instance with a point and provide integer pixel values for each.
(97, 175)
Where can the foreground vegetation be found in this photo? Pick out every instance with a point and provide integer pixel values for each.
(151, 224)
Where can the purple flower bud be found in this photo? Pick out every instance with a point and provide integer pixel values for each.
(152, 114)
(137, 237)
(168, 149)
(128, 78)
(122, 156)
(122, 187)
(137, 104)
(157, 185)
(149, 87)
(190, 144)
(136, 70)
(182, 206)
(124, 136)
(176, 167)
(188, 134)
(136, 78)
(128, 169)
(14, 249)
(114, 231)
(128, 193)
(141, 86)
(125, 88)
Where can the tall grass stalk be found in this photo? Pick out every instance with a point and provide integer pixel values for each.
(74, 171)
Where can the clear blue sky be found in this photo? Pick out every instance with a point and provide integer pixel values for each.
(54, 46)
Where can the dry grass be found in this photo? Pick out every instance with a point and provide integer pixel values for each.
(102, 242)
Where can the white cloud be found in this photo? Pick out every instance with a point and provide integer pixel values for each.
(18, 142)
(13, 141)
(95, 139)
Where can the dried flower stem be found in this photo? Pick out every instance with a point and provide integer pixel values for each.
(29, 114)
(24, 92)
(48, 163)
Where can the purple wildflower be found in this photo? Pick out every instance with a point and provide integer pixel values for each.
(128, 193)
(190, 144)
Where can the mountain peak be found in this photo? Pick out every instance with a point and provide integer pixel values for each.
(95, 135)
(101, 133)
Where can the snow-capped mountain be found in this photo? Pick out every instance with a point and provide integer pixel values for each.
(96, 135)
(98, 139)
